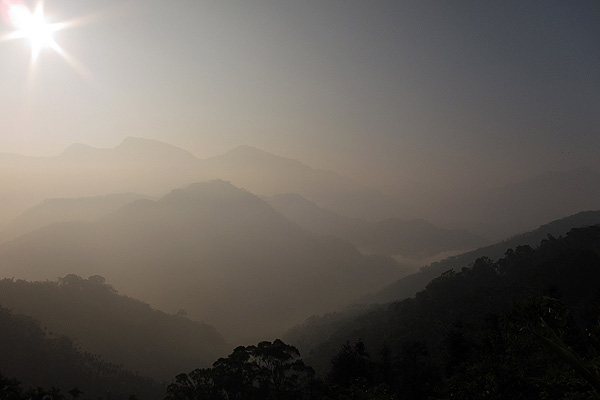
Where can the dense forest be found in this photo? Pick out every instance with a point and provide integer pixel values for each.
(123, 330)
(525, 326)
(48, 364)
(409, 285)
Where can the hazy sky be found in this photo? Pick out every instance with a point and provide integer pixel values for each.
(441, 91)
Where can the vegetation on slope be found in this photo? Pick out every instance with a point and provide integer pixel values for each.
(514, 328)
(217, 251)
(40, 359)
(409, 285)
(121, 329)
(524, 326)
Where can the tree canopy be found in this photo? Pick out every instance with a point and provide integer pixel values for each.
(269, 370)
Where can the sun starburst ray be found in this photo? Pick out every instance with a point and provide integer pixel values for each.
(32, 26)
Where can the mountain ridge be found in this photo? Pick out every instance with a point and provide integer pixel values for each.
(121, 329)
(200, 249)
(134, 165)
(409, 285)
(130, 148)
(64, 209)
(414, 238)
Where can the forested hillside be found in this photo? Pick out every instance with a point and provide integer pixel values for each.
(525, 326)
(121, 329)
(35, 363)
(409, 285)
(217, 251)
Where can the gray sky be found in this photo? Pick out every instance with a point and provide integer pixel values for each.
(448, 92)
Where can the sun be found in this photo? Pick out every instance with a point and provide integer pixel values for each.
(32, 26)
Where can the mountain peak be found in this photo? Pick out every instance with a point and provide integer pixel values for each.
(135, 146)
(131, 148)
(216, 192)
(247, 149)
(78, 150)
(256, 156)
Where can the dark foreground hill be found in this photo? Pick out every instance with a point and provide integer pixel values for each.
(319, 328)
(34, 358)
(216, 251)
(525, 326)
(120, 329)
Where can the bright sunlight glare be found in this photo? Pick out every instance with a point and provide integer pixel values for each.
(33, 27)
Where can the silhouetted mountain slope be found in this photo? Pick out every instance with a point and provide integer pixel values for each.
(409, 285)
(318, 328)
(152, 167)
(122, 330)
(312, 217)
(219, 252)
(267, 174)
(414, 238)
(37, 358)
(130, 150)
(135, 165)
(485, 320)
(64, 210)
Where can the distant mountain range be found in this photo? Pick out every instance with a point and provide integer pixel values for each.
(266, 174)
(136, 165)
(64, 210)
(415, 239)
(131, 150)
(410, 241)
(153, 168)
(217, 251)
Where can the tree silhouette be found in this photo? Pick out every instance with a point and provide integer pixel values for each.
(265, 371)
(350, 364)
